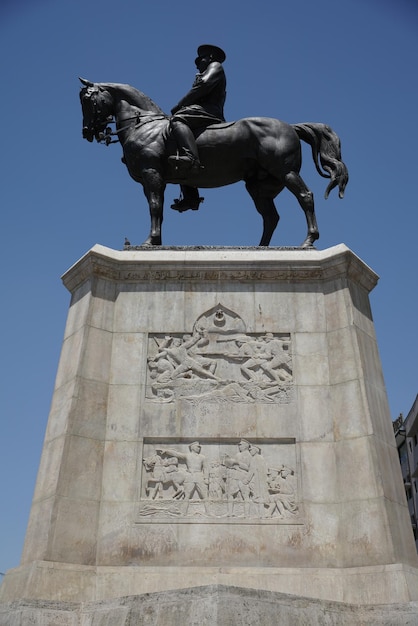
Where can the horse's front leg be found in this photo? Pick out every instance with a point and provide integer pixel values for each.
(154, 187)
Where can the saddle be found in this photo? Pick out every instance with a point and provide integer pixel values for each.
(184, 163)
(219, 126)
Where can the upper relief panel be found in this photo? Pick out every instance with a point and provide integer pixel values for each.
(218, 359)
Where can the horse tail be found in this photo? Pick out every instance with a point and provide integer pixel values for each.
(326, 145)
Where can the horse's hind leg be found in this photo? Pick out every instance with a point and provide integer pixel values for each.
(304, 196)
(265, 206)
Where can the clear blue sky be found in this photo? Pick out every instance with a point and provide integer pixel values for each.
(350, 64)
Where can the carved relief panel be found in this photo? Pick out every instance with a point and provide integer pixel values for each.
(218, 359)
(219, 482)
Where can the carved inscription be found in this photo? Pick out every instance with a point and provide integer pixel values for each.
(219, 360)
(227, 482)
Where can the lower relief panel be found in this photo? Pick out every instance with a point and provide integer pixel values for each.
(219, 482)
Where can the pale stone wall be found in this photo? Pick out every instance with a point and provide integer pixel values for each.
(98, 527)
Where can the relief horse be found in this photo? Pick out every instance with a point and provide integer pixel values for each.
(163, 474)
(265, 153)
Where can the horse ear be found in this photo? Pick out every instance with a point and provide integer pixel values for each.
(86, 82)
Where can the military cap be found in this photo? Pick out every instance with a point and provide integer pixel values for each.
(207, 49)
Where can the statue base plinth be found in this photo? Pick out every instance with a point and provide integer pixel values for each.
(219, 427)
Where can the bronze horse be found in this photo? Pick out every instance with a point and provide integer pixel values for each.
(263, 152)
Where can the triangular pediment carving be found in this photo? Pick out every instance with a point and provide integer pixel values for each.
(220, 319)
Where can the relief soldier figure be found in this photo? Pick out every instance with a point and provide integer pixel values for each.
(237, 477)
(282, 492)
(196, 479)
(257, 479)
(177, 358)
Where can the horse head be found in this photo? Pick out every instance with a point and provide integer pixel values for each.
(97, 106)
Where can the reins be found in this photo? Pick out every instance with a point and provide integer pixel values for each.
(105, 137)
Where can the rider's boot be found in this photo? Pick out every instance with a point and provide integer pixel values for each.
(189, 199)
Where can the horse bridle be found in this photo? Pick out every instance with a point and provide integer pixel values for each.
(98, 121)
(105, 136)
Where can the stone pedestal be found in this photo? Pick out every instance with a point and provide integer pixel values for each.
(219, 419)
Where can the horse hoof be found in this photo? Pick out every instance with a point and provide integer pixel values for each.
(151, 242)
(309, 241)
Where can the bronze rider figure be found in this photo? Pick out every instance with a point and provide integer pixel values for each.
(202, 106)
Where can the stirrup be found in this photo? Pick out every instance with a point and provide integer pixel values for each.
(186, 161)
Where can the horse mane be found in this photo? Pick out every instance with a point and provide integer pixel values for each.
(133, 96)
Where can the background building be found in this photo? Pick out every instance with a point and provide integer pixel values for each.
(406, 433)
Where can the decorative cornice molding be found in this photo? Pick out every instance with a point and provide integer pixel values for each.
(214, 264)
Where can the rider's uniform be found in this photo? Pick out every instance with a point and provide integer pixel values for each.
(201, 107)
(204, 103)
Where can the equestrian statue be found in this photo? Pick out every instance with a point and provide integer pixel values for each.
(195, 147)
